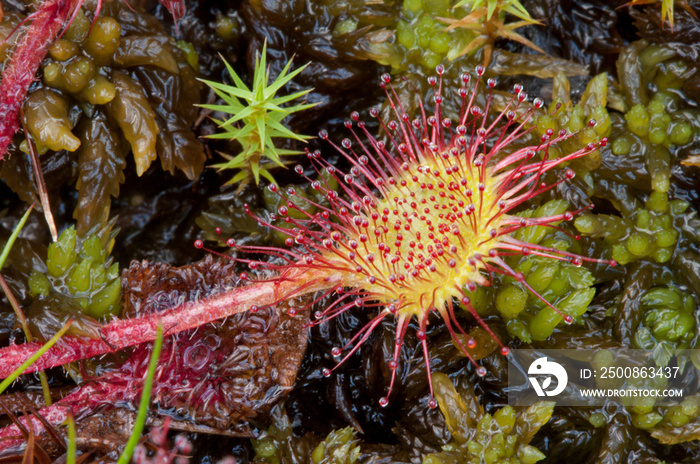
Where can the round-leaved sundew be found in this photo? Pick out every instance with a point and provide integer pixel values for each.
(418, 221)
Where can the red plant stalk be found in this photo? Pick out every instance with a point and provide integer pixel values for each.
(123, 333)
(11, 436)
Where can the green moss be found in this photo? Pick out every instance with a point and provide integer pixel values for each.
(575, 120)
(566, 286)
(227, 28)
(478, 437)
(638, 120)
(190, 53)
(667, 322)
(681, 133)
(510, 301)
(255, 119)
(281, 445)
(421, 39)
(103, 40)
(81, 270)
(648, 233)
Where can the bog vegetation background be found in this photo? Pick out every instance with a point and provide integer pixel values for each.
(151, 133)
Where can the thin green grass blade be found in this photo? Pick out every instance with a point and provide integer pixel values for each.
(70, 453)
(13, 237)
(145, 400)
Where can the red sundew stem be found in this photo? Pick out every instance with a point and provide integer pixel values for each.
(426, 357)
(364, 333)
(448, 317)
(401, 326)
(122, 333)
(19, 72)
(466, 301)
(11, 437)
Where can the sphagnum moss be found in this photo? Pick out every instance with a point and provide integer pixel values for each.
(80, 269)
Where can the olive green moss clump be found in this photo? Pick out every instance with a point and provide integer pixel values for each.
(339, 447)
(82, 271)
(655, 124)
(480, 438)
(281, 446)
(649, 233)
(79, 69)
(421, 38)
(566, 286)
(111, 87)
(588, 119)
(667, 323)
(660, 128)
(676, 424)
(672, 424)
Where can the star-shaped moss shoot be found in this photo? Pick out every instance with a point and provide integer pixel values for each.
(667, 7)
(256, 119)
(486, 20)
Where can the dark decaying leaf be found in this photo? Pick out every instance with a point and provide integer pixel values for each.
(224, 376)
(101, 162)
(670, 435)
(173, 98)
(217, 379)
(58, 168)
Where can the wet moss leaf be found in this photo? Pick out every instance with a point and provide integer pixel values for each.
(461, 412)
(543, 66)
(145, 51)
(46, 113)
(101, 163)
(173, 98)
(671, 435)
(529, 421)
(133, 114)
